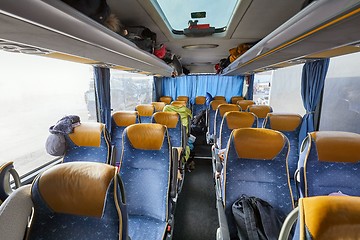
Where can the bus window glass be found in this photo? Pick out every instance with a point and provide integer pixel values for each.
(285, 95)
(35, 92)
(341, 100)
(129, 90)
(262, 85)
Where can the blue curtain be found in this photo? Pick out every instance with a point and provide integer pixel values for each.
(102, 95)
(250, 91)
(312, 84)
(198, 85)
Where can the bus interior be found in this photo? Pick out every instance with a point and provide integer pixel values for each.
(151, 119)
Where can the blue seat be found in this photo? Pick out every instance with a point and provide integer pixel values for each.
(159, 106)
(145, 112)
(145, 169)
(260, 111)
(255, 165)
(219, 98)
(289, 125)
(178, 140)
(89, 142)
(243, 104)
(219, 114)
(173, 123)
(324, 217)
(119, 121)
(211, 119)
(185, 99)
(234, 99)
(166, 99)
(235, 120)
(231, 120)
(79, 200)
(329, 162)
(199, 105)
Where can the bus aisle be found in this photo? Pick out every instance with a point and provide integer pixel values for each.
(196, 214)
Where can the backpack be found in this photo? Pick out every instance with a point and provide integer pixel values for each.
(198, 123)
(256, 219)
(143, 37)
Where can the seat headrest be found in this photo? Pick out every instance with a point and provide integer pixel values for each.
(169, 119)
(284, 122)
(215, 103)
(145, 110)
(223, 108)
(183, 98)
(200, 100)
(334, 146)
(87, 134)
(77, 188)
(236, 98)
(257, 143)
(159, 106)
(166, 99)
(146, 136)
(244, 104)
(178, 103)
(124, 119)
(236, 119)
(220, 98)
(330, 217)
(260, 110)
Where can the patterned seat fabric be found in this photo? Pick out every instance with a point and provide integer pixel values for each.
(256, 165)
(173, 123)
(260, 111)
(329, 162)
(88, 143)
(211, 118)
(145, 168)
(234, 99)
(159, 106)
(219, 114)
(243, 104)
(145, 112)
(79, 200)
(235, 120)
(199, 105)
(328, 217)
(289, 125)
(119, 121)
(165, 99)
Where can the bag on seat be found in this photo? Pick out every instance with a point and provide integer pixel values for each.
(256, 219)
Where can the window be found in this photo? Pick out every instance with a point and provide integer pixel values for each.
(35, 92)
(178, 13)
(129, 90)
(341, 100)
(285, 95)
(262, 85)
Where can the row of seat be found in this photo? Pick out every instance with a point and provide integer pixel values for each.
(256, 163)
(83, 199)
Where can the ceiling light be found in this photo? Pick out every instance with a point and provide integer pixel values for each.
(200, 46)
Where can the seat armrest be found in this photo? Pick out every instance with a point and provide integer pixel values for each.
(222, 232)
(174, 172)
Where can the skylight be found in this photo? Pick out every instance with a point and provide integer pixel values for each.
(178, 13)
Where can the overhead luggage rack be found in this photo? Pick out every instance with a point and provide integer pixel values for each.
(302, 38)
(68, 34)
